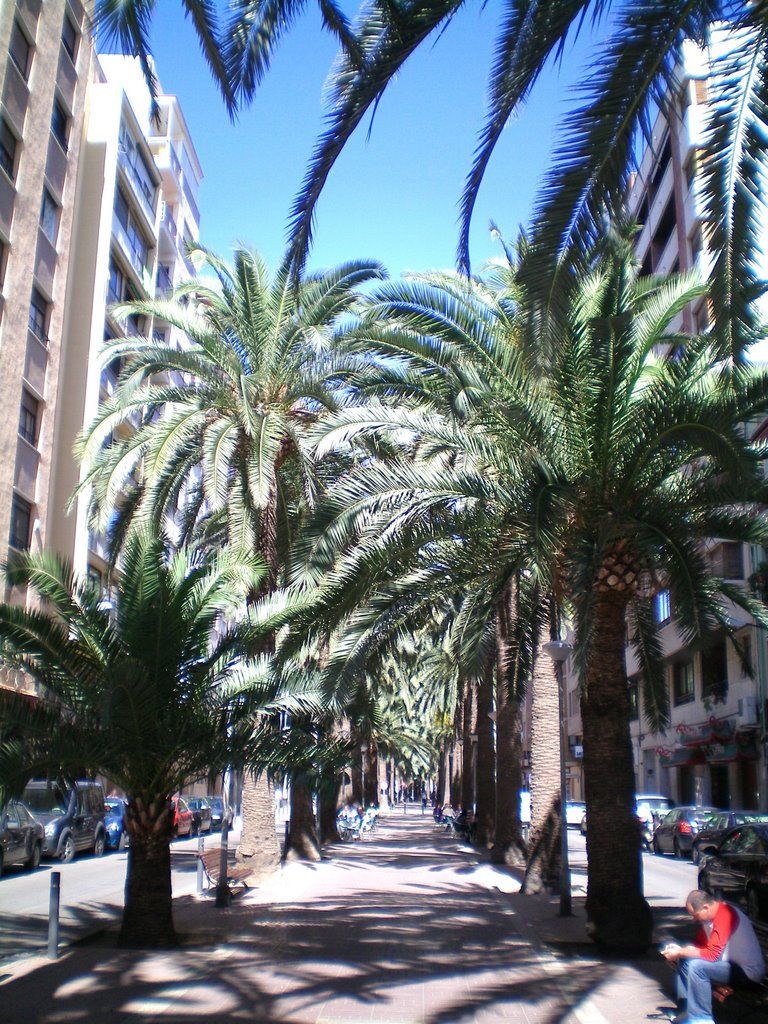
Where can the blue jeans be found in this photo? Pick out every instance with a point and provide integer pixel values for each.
(694, 984)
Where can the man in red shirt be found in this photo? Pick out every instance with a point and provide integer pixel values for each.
(725, 951)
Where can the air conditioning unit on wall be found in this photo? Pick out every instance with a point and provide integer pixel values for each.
(748, 710)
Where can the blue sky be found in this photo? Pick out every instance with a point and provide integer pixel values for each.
(392, 197)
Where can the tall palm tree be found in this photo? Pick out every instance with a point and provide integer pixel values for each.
(153, 694)
(223, 422)
(602, 476)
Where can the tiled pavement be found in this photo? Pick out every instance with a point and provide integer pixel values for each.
(406, 927)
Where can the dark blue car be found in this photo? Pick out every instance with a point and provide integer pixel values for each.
(117, 837)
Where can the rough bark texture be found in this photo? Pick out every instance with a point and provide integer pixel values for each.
(330, 795)
(543, 866)
(302, 831)
(508, 846)
(457, 755)
(356, 774)
(619, 917)
(486, 760)
(371, 760)
(469, 741)
(442, 775)
(383, 785)
(148, 912)
(259, 848)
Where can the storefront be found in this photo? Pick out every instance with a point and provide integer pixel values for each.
(714, 764)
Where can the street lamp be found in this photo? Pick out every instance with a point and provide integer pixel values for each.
(559, 651)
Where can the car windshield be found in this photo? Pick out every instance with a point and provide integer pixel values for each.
(114, 807)
(655, 805)
(50, 800)
(215, 802)
(751, 819)
(701, 815)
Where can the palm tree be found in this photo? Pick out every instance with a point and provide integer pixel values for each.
(153, 694)
(600, 476)
(223, 423)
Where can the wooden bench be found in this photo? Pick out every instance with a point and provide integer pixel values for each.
(235, 875)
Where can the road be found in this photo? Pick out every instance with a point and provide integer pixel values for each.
(92, 890)
(667, 881)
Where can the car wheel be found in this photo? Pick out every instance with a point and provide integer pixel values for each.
(194, 830)
(122, 841)
(68, 849)
(695, 854)
(678, 852)
(34, 861)
(753, 904)
(99, 845)
(1, 863)
(655, 847)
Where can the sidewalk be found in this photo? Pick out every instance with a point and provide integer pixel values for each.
(406, 927)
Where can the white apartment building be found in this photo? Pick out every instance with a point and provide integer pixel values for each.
(714, 751)
(136, 208)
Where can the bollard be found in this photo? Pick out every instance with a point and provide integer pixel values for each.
(223, 894)
(200, 852)
(53, 916)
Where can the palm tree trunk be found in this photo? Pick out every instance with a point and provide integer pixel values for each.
(619, 917)
(457, 755)
(508, 845)
(486, 759)
(259, 848)
(371, 774)
(302, 832)
(442, 761)
(469, 739)
(148, 911)
(330, 793)
(543, 866)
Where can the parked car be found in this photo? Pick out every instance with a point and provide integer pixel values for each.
(738, 870)
(117, 835)
(679, 827)
(72, 817)
(21, 837)
(575, 810)
(217, 812)
(713, 831)
(201, 815)
(182, 817)
(650, 807)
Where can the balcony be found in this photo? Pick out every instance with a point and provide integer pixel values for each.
(25, 474)
(141, 190)
(56, 166)
(169, 223)
(35, 362)
(30, 12)
(45, 262)
(15, 96)
(134, 255)
(66, 77)
(7, 200)
(191, 201)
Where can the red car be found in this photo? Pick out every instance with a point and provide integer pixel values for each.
(182, 817)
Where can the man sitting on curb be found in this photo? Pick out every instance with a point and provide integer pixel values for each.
(725, 951)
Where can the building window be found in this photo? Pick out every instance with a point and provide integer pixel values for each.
(21, 523)
(137, 167)
(682, 683)
(96, 578)
(662, 607)
(661, 166)
(8, 146)
(664, 230)
(38, 316)
(574, 702)
(117, 285)
(726, 560)
(69, 36)
(121, 208)
(60, 124)
(20, 50)
(714, 673)
(28, 417)
(49, 217)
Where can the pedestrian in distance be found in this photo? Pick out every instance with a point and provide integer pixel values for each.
(423, 803)
(725, 952)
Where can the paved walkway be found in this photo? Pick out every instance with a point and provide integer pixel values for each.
(406, 927)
